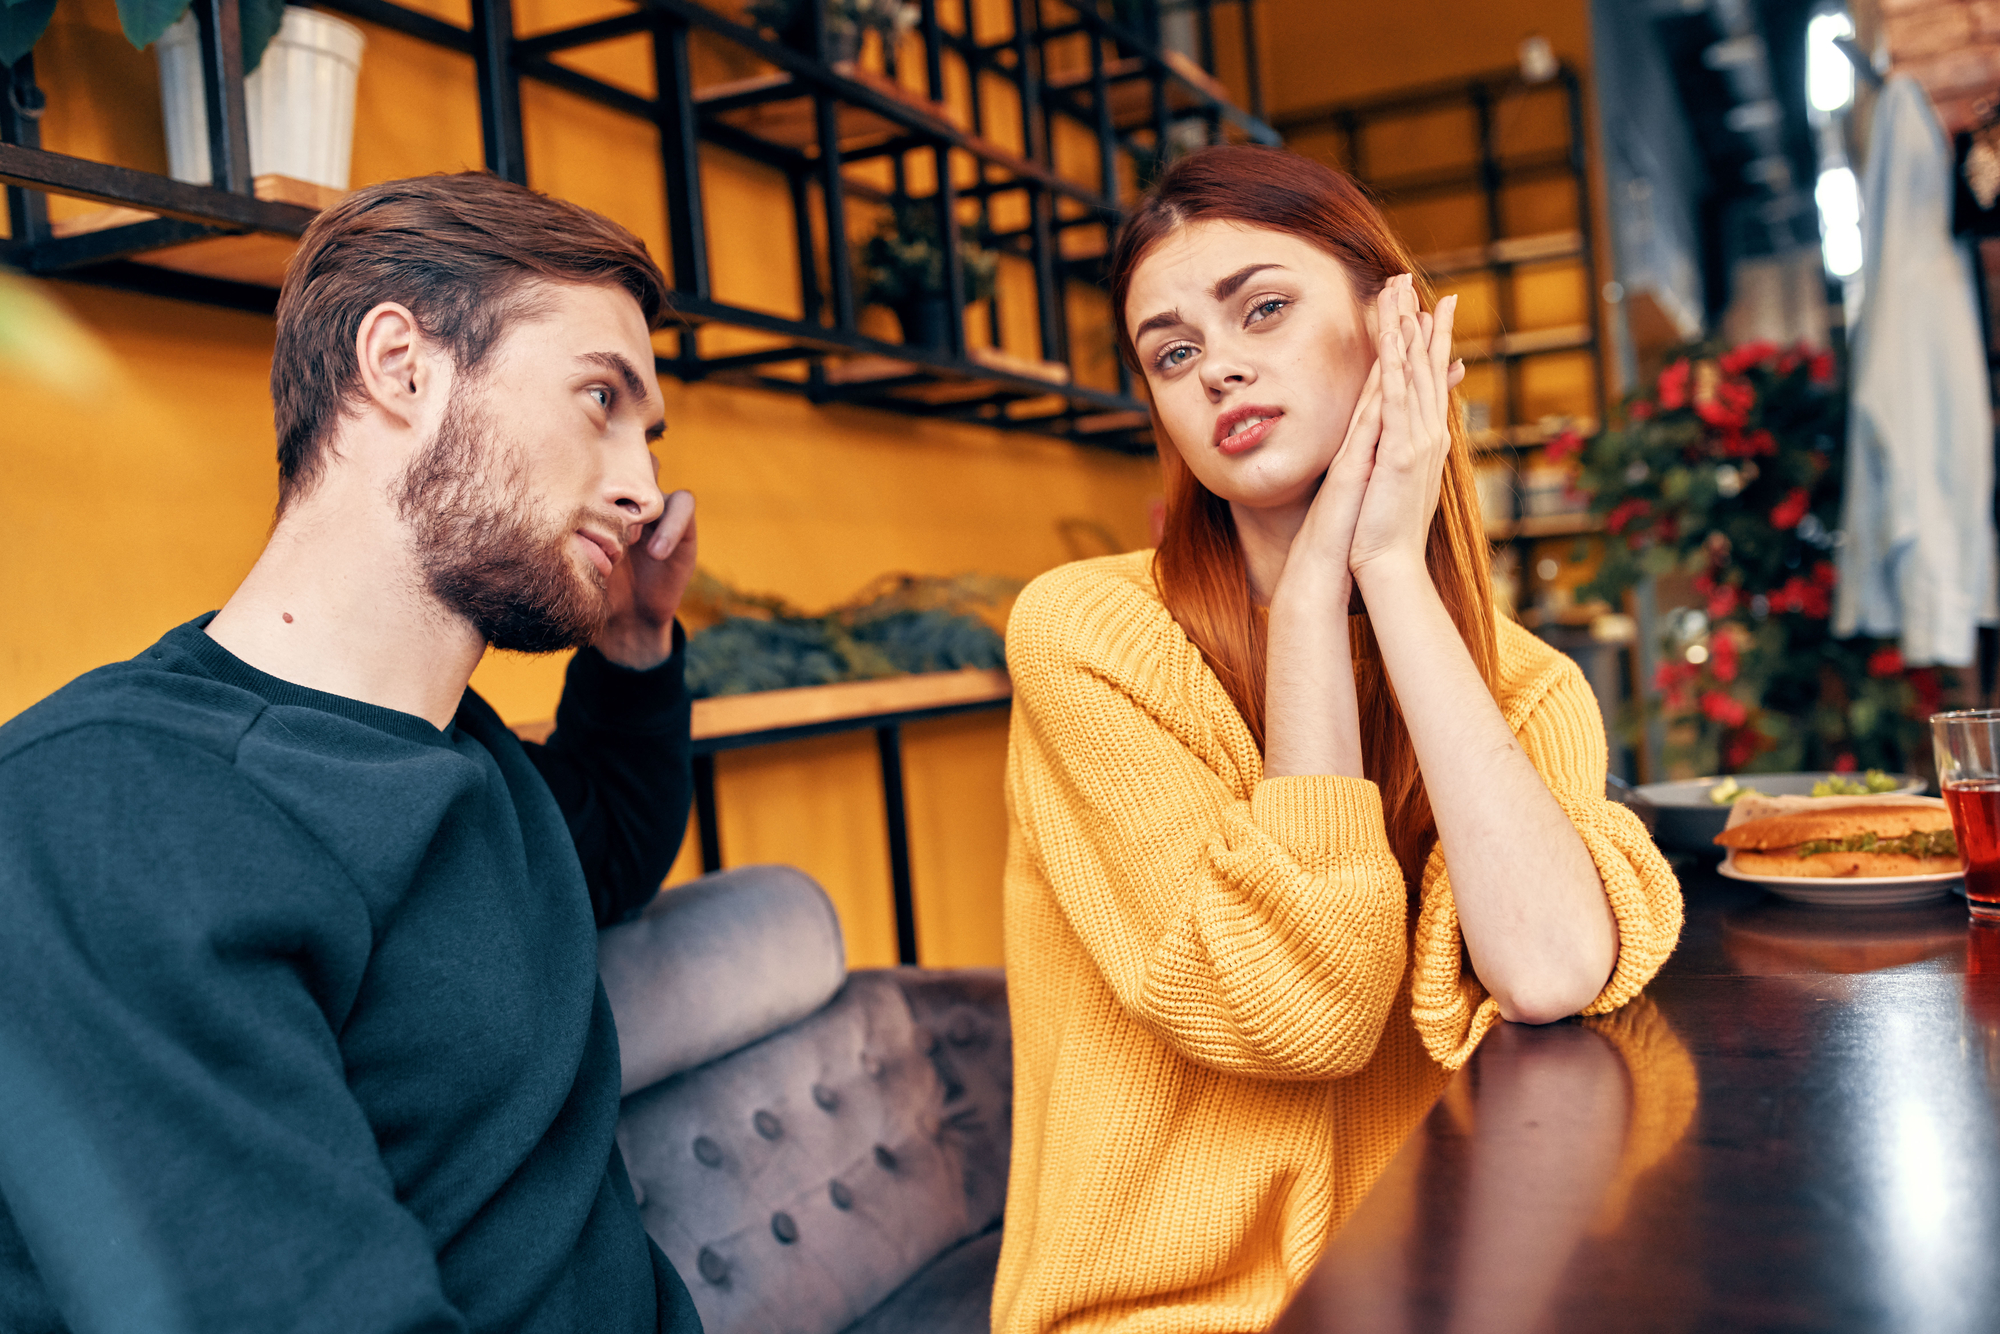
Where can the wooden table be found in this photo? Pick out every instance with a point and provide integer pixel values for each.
(1799, 1130)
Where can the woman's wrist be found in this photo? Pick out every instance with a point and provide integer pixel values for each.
(1391, 576)
(1312, 588)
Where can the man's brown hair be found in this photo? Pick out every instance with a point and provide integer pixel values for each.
(457, 250)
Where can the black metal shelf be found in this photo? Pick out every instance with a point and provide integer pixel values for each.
(809, 119)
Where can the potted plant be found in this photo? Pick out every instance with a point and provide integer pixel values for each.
(299, 66)
(23, 22)
(847, 22)
(901, 266)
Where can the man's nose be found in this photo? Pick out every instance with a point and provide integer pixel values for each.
(635, 487)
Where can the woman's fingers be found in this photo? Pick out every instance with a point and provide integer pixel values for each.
(1454, 375)
(1424, 396)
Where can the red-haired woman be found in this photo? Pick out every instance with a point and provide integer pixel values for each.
(1295, 818)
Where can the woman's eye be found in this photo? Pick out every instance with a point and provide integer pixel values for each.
(1265, 309)
(1174, 356)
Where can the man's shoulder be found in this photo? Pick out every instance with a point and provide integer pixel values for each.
(145, 702)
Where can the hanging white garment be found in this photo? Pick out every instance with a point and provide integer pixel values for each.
(1918, 559)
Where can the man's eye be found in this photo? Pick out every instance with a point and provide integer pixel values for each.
(602, 395)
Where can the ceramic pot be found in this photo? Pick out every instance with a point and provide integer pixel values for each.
(926, 321)
(299, 100)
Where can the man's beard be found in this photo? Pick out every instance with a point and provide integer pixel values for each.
(479, 551)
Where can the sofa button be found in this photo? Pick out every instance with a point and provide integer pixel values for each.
(713, 1267)
(784, 1229)
(842, 1197)
(885, 1158)
(767, 1125)
(707, 1152)
(825, 1097)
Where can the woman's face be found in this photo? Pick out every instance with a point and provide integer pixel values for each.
(1255, 347)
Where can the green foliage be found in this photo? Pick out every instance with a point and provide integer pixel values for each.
(904, 624)
(787, 18)
(904, 259)
(22, 23)
(1728, 471)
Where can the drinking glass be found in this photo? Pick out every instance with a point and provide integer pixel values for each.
(1968, 764)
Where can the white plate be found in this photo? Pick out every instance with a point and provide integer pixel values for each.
(1851, 891)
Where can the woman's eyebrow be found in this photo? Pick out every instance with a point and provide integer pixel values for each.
(1226, 288)
(1166, 319)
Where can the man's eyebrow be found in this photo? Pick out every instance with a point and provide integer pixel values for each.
(612, 361)
(1227, 287)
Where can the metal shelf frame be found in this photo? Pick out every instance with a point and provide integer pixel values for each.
(817, 354)
(1489, 175)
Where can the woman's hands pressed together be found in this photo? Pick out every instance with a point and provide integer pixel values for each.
(1416, 374)
(1532, 908)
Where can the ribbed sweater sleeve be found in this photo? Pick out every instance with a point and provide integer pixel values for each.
(1256, 927)
(1556, 719)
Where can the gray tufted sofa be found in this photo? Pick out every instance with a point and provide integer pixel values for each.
(816, 1151)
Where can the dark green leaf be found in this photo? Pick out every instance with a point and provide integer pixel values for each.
(261, 20)
(145, 20)
(21, 25)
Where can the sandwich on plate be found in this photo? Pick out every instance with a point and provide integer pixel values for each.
(1857, 840)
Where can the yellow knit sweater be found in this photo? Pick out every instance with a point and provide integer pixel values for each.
(1223, 1024)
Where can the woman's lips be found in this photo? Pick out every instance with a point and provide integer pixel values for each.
(1240, 436)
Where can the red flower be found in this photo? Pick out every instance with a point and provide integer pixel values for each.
(1565, 445)
(1672, 680)
(1724, 709)
(1674, 385)
(1886, 662)
(1821, 368)
(1845, 763)
(1639, 411)
(1741, 749)
(1790, 510)
(1723, 600)
(1722, 659)
(1624, 512)
(1789, 362)
(1824, 574)
(1740, 359)
(1758, 442)
(1729, 406)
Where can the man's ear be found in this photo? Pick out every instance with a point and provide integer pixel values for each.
(400, 367)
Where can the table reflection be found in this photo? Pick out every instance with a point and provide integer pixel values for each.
(1509, 1174)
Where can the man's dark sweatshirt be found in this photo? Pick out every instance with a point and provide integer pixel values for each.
(300, 1026)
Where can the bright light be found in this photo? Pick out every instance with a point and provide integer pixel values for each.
(1697, 654)
(1829, 76)
(1839, 200)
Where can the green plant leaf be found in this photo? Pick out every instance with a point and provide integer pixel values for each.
(21, 25)
(260, 21)
(145, 20)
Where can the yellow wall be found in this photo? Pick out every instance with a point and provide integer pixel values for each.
(138, 497)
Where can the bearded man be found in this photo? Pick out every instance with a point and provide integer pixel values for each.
(300, 1026)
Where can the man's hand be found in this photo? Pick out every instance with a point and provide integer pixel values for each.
(646, 588)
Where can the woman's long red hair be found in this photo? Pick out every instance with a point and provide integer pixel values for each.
(1199, 565)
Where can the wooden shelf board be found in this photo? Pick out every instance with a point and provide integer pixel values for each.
(1540, 248)
(1546, 525)
(1527, 343)
(258, 258)
(812, 706)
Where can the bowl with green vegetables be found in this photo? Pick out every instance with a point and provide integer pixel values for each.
(1692, 811)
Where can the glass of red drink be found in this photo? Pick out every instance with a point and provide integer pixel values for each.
(1968, 763)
